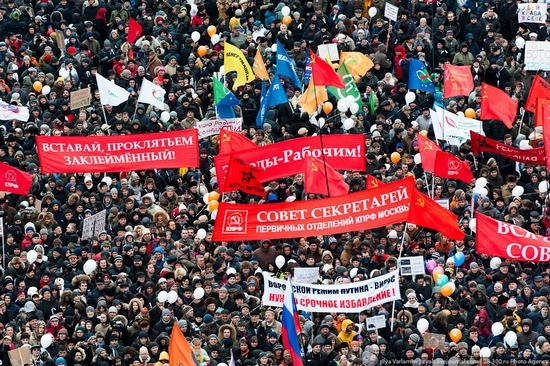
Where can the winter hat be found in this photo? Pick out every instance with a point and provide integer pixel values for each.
(59, 361)
(165, 312)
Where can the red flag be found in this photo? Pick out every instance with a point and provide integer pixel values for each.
(231, 142)
(541, 104)
(373, 182)
(428, 149)
(457, 81)
(540, 89)
(426, 212)
(243, 177)
(496, 104)
(179, 349)
(130, 54)
(449, 166)
(317, 174)
(14, 180)
(324, 74)
(134, 31)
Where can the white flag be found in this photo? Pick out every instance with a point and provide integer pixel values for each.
(110, 93)
(453, 128)
(9, 112)
(151, 94)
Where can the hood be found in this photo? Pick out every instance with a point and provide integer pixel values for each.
(346, 323)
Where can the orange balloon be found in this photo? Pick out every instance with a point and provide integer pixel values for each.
(357, 78)
(213, 205)
(287, 19)
(327, 107)
(37, 86)
(437, 271)
(447, 290)
(395, 157)
(447, 312)
(211, 30)
(470, 113)
(456, 335)
(424, 133)
(202, 50)
(213, 196)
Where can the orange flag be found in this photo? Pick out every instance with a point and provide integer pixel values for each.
(179, 349)
(259, 67)
(542, 105)
(312, 97)
(315, 180)
(428, 150)
(232, 142)
(373, 182)
(243, 177)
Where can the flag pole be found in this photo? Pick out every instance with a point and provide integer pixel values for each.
(104, 113)
(398, 269)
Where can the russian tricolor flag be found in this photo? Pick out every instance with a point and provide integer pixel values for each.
(291, 327)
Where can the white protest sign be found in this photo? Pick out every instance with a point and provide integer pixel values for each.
(376, 322)
(411, 265)
(306, 275)
(391, 12)
(350, 297)
(331, 50)
(444, 202)
(454, 128)
(100, 219)
(88, 228)
(537, 55)
(213, 126)
(532, 13)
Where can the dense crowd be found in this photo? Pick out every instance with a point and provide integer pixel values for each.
(150, 243)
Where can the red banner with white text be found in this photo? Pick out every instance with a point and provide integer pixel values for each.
(484, 144)
(286, 158)
(499, 238)
(66, 154)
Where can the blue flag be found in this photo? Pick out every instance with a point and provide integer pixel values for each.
(307, 69)
(275, 95)
(284, 65)
(419, 77)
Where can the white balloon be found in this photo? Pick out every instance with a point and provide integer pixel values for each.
(162, 296)
(29, 305)
(485, 352)
(422, 325)
(348, 124)
(372, 11)
(214, 214)
(198, 293)
(107, 180)
(354, 108)
(372, 128)
(497, 329)
(511, 338)
(215, 38)
(543, 187)
(201, 233)
(353, 272)
(165, 116)
(481, 182)
(495, 262)
(410, 97)
(90, 266)
(222, 70)
(285, 11)
(484, 192)
(195, 36)
(280, 261)
(205, 198)
(46, 340)
(231, 270)
(274, 47)
(321, 122)
(32, 255)
(342, 106)
(350, 99)
(460, 113)
(194, 10)
(31, 291)
(517, 191)
(172, 297)
(520, 42)
(452, 284)
(46, 90)
(473, 225)
(417, 159)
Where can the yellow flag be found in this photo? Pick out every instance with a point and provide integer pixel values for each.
(358, 64)
(234, 60)
(259, 67)
(313, 97)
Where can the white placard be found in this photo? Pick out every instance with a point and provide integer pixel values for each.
(306, 275)
(213, 126)
(331, 50)
(376, 322)
(391, 12)
(444, 202)
(410, 266)
(452, 127)
(537, 55)
(88, 228)
(532, 13)
(100, 218)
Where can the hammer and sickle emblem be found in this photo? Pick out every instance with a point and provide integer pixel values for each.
(226, 138)
(314, 167)
(420, 202)
(428, 145)
(374, 183)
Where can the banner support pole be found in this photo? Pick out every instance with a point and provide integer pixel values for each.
(400, 252)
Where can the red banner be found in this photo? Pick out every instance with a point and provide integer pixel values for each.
(287, 158)
(14, 180)
(528, 156)
(65, 154)
(540, 89)
(499, 238)
(450, 166)
(457, 81)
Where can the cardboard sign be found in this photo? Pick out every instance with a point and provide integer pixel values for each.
(80, 98)
(60, 40)
(20, 356)
(537, 55)
(391, 12)
(329, 51)
(93, 225)
(213, 126)
(532, 13)
(306, 275)
(412, 266)
(444, 202)
(376, 322)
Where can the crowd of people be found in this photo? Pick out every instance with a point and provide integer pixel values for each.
(113, 315)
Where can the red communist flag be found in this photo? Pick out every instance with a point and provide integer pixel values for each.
(496, 104)
(540, 89)
(243, 177)
(449, 166)
(14, 180)
(457, 81)
(542, 104)
(322, 179)
(231, 142)
(428, 149)
(323, 73)
(425, 212)
(373, 182)
(134, 31)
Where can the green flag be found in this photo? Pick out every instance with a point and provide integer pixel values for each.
(350, 87)
(220, 91)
